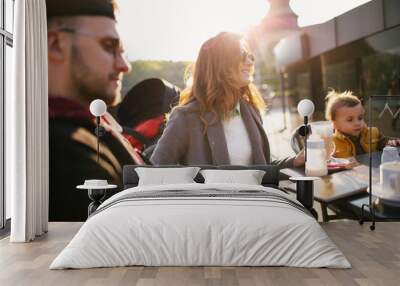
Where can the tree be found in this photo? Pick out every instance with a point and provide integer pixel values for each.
(168, 70)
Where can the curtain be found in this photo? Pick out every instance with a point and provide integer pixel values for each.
(27, 124)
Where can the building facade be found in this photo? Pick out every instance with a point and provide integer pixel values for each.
(357, 51)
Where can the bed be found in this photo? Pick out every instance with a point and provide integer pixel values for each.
(201, 223)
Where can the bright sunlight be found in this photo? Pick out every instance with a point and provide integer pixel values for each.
(175, 29)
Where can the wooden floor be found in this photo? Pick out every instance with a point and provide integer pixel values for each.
(374, 255)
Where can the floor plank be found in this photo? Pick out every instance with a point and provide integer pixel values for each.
(374, 255)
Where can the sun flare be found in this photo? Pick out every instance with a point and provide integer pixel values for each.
(164, 25)
(175, 29)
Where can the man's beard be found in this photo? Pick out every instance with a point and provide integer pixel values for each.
(86, 85)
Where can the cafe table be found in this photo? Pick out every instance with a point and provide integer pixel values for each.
(345, 191)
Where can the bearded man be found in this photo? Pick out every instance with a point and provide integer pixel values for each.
(85, 62)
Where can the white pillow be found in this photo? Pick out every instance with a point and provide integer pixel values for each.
(248, 177)
(162, 176)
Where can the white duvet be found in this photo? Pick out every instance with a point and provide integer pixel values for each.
(183, 231)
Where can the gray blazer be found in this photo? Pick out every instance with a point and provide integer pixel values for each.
(183, 141)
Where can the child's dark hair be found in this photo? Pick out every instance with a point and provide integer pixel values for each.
(336, 100)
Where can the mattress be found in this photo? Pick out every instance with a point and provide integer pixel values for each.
(200, 225)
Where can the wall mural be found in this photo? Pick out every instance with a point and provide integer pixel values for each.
(95, 129)
(157, 114)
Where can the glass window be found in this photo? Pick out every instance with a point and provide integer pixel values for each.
(381, 77)
(381, 70)
(8, 88)
(6, 67)
(2, 197)
(381, 73)
(385, 115)
(340, 76)
(9, 15)
(1, 14)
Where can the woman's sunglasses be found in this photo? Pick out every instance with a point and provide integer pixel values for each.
(246, 56)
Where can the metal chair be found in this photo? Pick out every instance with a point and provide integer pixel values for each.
(297, 136)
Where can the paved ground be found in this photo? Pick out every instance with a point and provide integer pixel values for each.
(279, 129)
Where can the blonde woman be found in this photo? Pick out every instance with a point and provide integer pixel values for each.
(218, 118)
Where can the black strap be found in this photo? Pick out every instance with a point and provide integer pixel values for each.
(145, 141)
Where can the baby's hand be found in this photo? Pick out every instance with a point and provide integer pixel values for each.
(299, 160)
(393, 142)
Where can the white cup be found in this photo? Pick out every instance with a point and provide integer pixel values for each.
(390, 154)
(390, 180)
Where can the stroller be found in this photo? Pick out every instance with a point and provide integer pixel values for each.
(142, 113)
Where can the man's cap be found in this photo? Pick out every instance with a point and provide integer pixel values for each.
(148, 99)
(61, 8)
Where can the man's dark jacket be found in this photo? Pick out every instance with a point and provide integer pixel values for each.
(73, 159)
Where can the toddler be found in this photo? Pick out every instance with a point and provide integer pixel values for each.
(351, 136)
